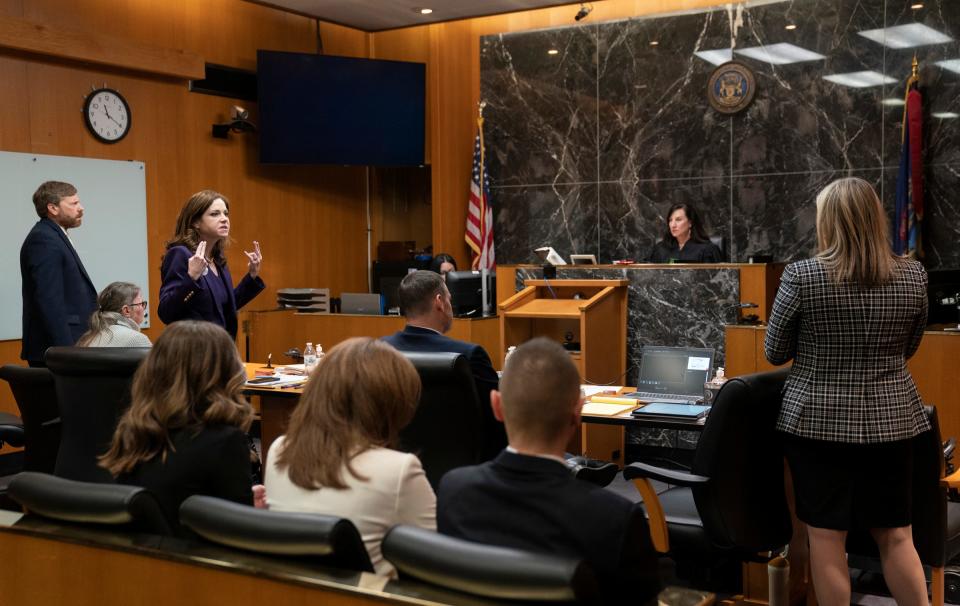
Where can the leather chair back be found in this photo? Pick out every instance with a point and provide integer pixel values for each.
(493, 572)
(36, 397)
(128, 507)
(314, 538)
(744, 505)
(93, 390)
(447, 430)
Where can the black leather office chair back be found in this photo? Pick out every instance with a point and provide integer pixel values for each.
(36, 397)
(930, 506)
(93, 389)
(744, 505)
(127, 507)
(489, 571)
(314, 538)
(447, 430)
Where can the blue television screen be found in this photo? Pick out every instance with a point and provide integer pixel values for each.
(322, 109)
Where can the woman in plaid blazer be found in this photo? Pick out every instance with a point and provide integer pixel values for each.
(849, 318)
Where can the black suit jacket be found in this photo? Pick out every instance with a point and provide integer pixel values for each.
(58, 296)
(414, 338)
(536, 504)
(212, 461)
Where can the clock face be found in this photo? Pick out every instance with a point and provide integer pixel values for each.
(107, 115)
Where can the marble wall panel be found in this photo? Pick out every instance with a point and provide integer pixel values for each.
(561, 216)
(541, 109)
(942, 221)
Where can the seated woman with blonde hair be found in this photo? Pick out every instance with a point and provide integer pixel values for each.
(336, 458)
(117, 320)
(185, 430)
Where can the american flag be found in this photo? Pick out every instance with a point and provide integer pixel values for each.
(479, 234)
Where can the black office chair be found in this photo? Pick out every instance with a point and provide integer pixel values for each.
(312, 538)
(36, 397)
(11, 430)
(485, 570)
(93, 390)
(731, 505)
(125, 507)
(936, 521)
(447, 430)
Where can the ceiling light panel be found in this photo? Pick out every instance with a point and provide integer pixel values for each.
(906, 36)
(863, 79)
(781, 53)
(950, 64)
(717, 56)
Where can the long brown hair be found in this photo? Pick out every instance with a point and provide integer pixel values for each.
(186, 235)
(192, 377)
(360, 396)
(852, 232)
(698, 232)
(110, 302)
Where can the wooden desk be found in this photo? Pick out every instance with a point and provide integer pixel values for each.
(275, 407)
(277, 331)
(932, 367)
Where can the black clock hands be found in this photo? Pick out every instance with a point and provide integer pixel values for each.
(109, 117)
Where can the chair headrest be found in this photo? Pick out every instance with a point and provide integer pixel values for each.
(430, 364)
(274, 532)
(95, 361)
(87, 502)
(485, 570)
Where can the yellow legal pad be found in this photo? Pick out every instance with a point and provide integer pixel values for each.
(607, 409)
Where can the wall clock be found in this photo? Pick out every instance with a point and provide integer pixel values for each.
(107, 115)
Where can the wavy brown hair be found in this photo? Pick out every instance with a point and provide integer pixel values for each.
(193, 377)
(698, 233)
(852, 232)
(360, 396)
(186, 235)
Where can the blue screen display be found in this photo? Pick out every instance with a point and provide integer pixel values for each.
(322, 109)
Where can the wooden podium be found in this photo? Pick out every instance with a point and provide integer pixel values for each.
(592, 313)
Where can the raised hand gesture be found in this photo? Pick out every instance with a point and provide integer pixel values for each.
(198, 262)
(256, 258)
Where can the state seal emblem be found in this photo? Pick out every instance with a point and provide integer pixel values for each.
(731, 87)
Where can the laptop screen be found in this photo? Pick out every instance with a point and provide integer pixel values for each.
(675, 370)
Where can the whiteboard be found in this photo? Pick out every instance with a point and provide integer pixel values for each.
(111, 242)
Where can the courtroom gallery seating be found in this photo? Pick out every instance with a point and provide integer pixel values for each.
(36, 397)
(93, 390)
(123, 507)
(489, 571)
(447, 429)
(312, 538)
(731, 505)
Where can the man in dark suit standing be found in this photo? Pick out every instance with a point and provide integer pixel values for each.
(58, 296)
(425, 302)
(527, 499)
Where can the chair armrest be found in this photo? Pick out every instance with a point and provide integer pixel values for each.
(670, 476)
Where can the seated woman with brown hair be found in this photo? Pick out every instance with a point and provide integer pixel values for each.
(185, 430)
(336, 458)
(117, 319)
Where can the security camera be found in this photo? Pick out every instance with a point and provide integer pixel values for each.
(583, 12)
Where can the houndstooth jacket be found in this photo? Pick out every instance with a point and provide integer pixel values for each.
(849, 381)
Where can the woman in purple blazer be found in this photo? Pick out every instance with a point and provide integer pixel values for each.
(196, 283)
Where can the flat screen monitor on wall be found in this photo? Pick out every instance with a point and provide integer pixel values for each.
(322, 109)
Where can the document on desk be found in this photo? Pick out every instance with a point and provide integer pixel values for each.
(276, 382)
(605, 409)
(592, 390)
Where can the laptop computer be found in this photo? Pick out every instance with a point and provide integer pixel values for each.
(673, 375)
(370, 304)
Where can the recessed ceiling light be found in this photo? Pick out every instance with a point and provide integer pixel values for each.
(654, 43)
(790, 26)
(862, 79)
(717, 56)
(892, 101)
(781, 53)
(916, 6)
(553, 51)
(426, 11)
(906, 36)
(945, 115)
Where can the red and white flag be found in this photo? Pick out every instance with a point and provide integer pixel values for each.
(479, 235)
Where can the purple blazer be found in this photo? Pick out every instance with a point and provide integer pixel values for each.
(182, 298)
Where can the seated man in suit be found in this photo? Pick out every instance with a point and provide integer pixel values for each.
(425, 302)
(527, 499)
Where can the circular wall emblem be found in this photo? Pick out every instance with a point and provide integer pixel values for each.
(731, 87)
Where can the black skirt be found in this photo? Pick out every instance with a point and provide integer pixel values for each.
(842, 486)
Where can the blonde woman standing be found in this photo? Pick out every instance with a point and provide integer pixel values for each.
(849, 318)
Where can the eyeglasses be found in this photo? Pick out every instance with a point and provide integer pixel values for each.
(141, 304)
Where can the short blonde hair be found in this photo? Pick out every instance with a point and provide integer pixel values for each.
(853, 232)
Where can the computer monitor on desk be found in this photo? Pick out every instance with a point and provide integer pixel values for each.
(674, 373)
(370, 304)
(465, 292)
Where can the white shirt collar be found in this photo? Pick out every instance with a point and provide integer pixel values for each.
(513, 450)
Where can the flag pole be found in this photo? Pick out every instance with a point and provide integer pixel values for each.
(484, 271)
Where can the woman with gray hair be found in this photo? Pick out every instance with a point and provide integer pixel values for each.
(116, 321)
